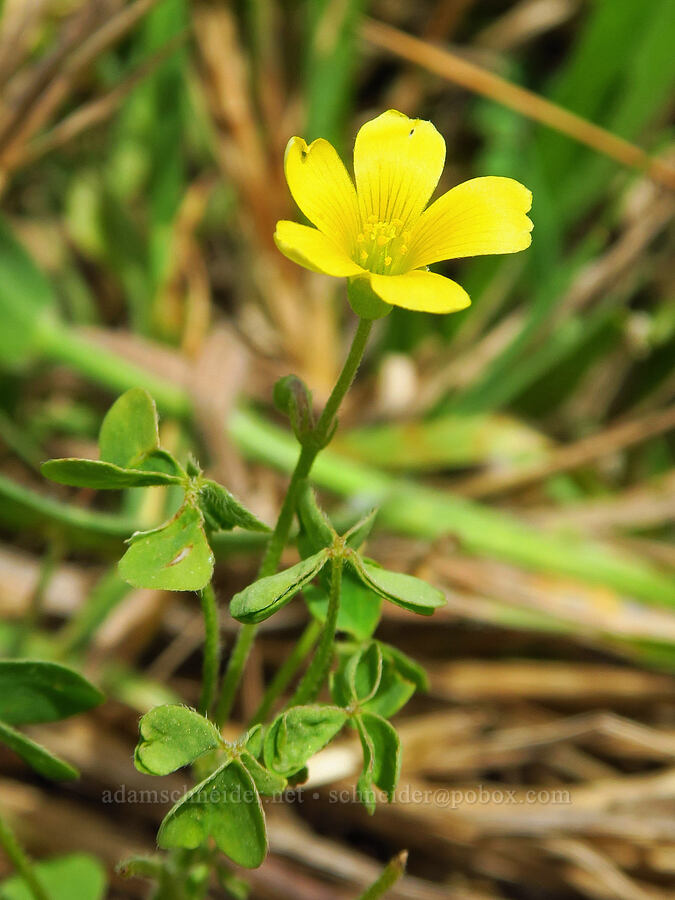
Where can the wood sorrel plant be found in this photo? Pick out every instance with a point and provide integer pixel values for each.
(379, 236)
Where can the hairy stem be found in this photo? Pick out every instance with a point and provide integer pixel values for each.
(315, 675)
(20, 861)
(279, 537)
(211, 660)
(287, 670)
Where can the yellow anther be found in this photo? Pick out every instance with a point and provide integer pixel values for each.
(363, 255)
(387, 260)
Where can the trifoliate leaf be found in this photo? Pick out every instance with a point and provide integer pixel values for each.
(317, 528)
(262, 598)
(405, 666)
(36, 691)
(223, 511)
(225, 807)
(74, 877)
(175, 557)
(129, 431)
(404, 590)
(267, 782)
(38, 757)
(359, 532)
(93, 473)
(381, 752)
(295, 736)
(173, 737)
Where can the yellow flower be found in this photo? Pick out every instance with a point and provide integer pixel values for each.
(379, 234)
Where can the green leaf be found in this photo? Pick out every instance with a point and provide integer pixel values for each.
(404, 590)
(359, 611)
(359, 532)
(295, 736)
(161, 461)
(254, 740)
(223, 511)
(226, 807)
(405, 666)
(94, 473)
(381, 758)
(363, 672)
(37, 756)
(370, 679)
(266, 782)
(35, 691)
(74, 877)
(173, 737)
(444, 442)
(318, 530)
(393, 692)
(129, 431)
(175, 557)
(262, 598)
(386, 752)
(27, 301)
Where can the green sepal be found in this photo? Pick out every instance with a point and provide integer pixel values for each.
(225, 807)
(43, 761)
(77, 876)
(174, 557)
(364, 301)
(264, 597)
(405, 590)
(33, 691)
(293, 398)
(172, 737)
(129, 432)
(223, 511)
(102, 476)
(296, 735)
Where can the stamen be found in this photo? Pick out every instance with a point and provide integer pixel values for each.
(381, 243)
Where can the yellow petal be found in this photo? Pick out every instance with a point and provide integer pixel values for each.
(420, 290)
(313, 250)
(484, 215)
(323, 190)
(397, 164)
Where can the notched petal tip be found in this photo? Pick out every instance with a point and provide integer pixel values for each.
(322, 189)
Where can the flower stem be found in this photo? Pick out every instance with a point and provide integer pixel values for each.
(279, 537)
(315, 675)
(211, 648)
(20, 861)
(287, 670)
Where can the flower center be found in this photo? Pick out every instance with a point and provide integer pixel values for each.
(381, 246)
